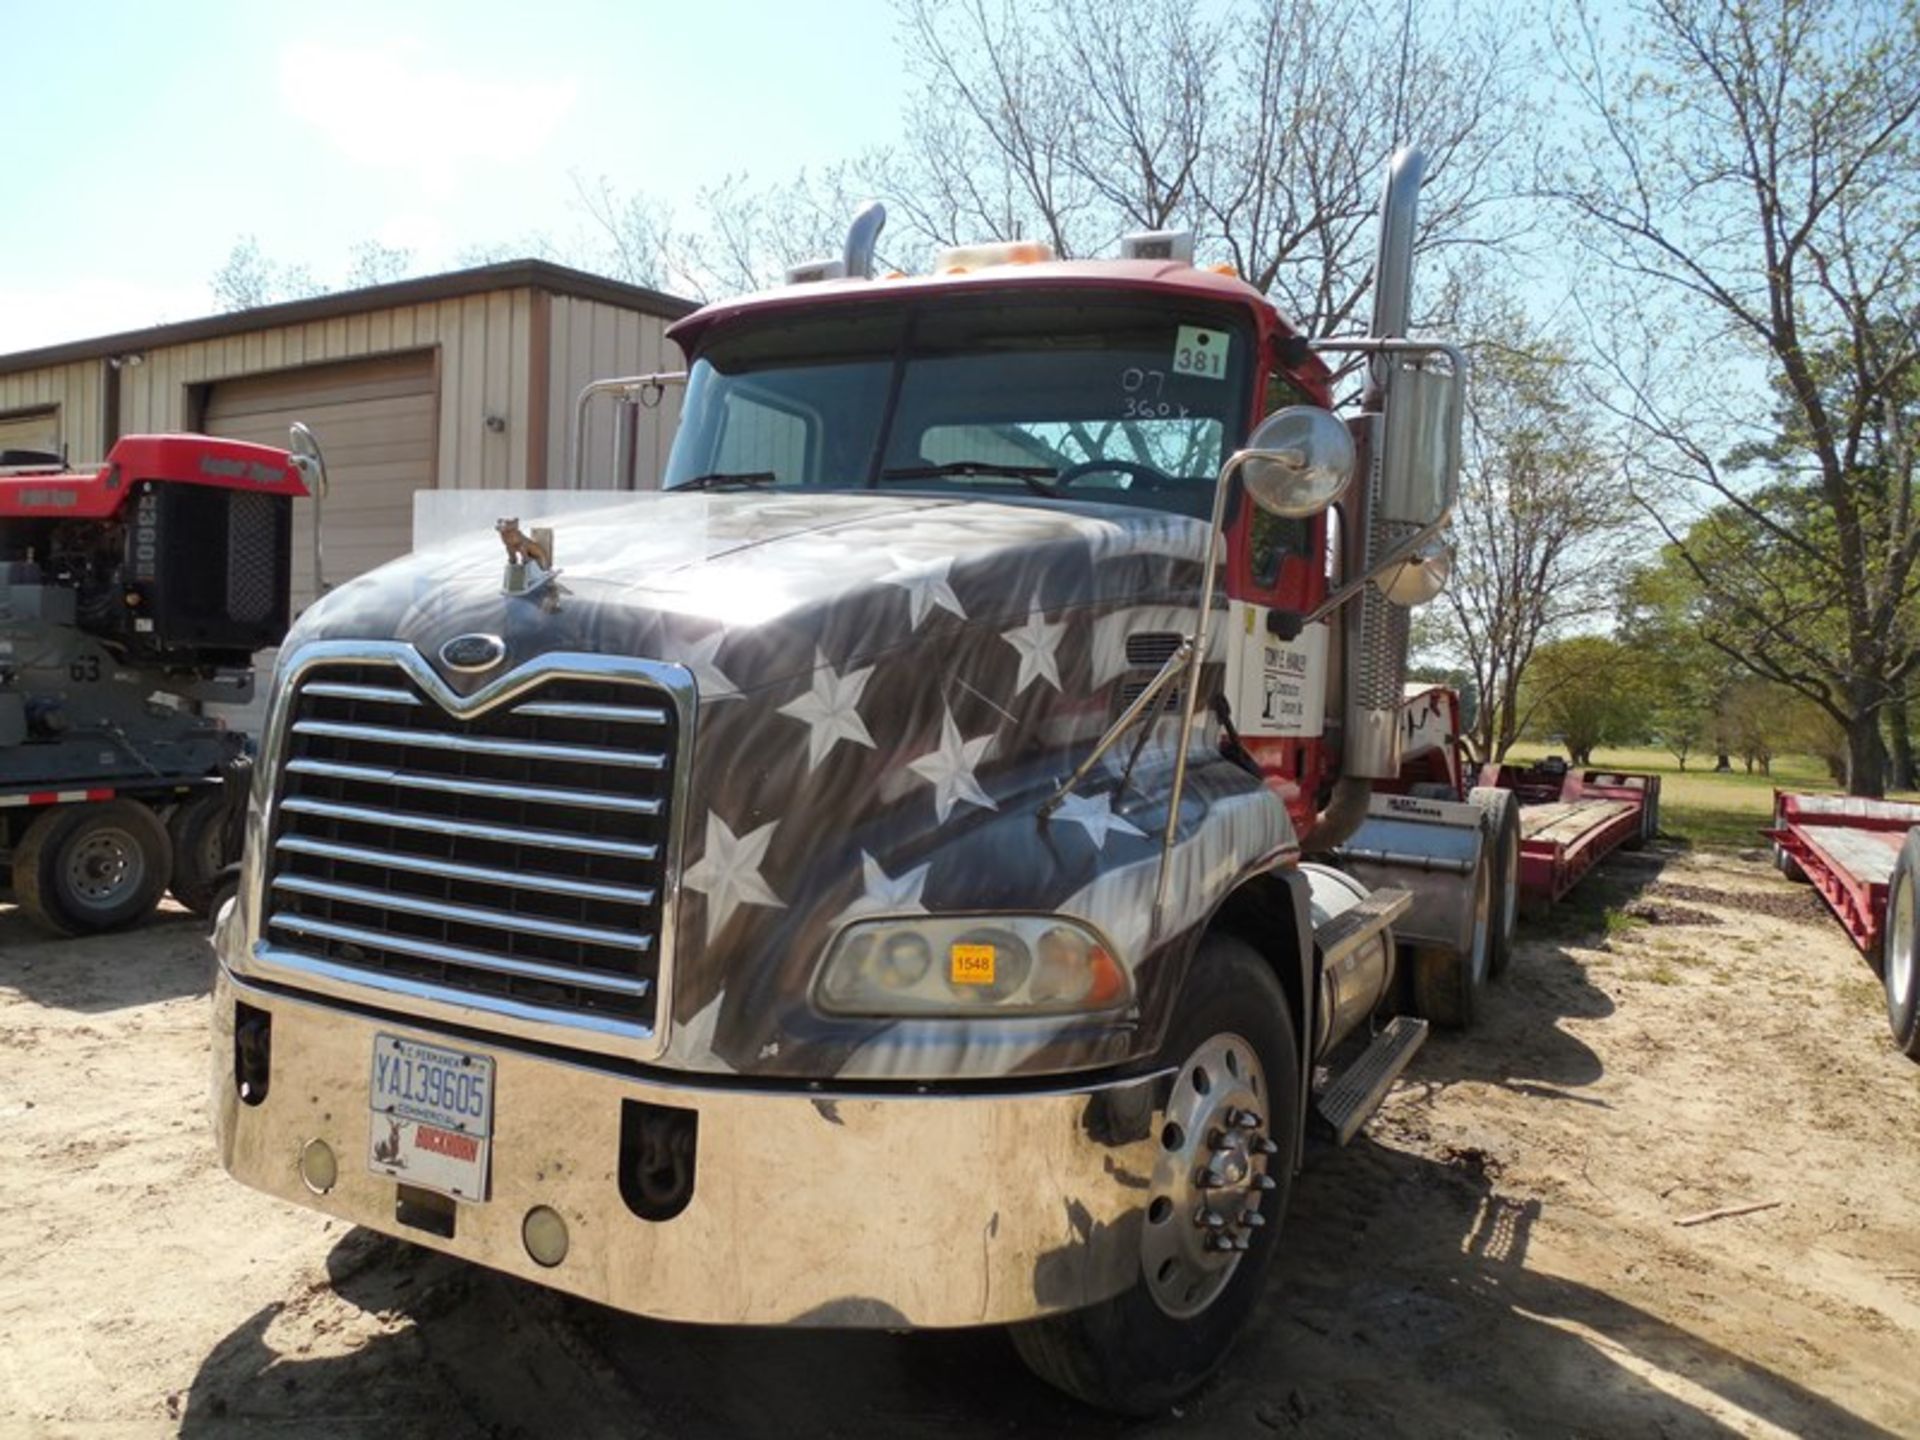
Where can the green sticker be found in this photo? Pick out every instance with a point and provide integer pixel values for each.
(1200, 352)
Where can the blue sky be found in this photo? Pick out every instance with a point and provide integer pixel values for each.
(140, 141)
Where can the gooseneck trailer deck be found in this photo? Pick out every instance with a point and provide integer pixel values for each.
(1861, 856)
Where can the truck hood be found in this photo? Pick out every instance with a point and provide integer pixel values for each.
(888, 688)
(770, 578)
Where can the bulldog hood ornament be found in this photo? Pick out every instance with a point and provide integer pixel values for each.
(529, 558)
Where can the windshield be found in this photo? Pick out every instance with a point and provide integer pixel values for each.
(1117, 401)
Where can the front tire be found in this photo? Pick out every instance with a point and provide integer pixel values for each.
(82, 869)
(1233, 1117)
(1900, 949)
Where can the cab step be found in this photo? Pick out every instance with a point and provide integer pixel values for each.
(1348, 1102)
(1352, 928)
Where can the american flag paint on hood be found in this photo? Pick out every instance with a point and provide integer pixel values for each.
(889, 687)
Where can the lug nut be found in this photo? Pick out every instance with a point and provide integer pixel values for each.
(1265, 1146)
(1211, 1219)
(1219, 1242)
(1253, 1219)
(1264, 1183)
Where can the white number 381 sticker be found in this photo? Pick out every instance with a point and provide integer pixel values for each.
(1200, 352)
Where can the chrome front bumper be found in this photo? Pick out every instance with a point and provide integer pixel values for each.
(808, 1209)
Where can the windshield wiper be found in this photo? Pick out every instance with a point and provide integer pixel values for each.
(1034, 477)
(716, 478)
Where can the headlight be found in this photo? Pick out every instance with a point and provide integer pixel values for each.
(967, 965)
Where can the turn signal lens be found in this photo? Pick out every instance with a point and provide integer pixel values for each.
(965, 965)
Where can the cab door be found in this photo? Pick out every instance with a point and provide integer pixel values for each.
(1277, 669)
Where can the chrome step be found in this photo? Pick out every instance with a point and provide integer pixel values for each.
(1348, 1102)
(1350, 929)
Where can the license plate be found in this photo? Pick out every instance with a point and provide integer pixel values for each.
(432, 1120)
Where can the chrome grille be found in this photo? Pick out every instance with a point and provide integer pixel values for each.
(515, 860)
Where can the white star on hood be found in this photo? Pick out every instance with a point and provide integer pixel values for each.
(713, 686)
(950, 768)
(926, 585)
(1036, 641)
(830, 711)
(728, 873)
(1094, 814)
(885, 894)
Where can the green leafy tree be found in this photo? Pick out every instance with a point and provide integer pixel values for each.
(1751, 177)
(1585, 692)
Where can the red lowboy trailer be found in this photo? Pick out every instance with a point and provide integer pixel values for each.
(1571, 820)
(1862, 855)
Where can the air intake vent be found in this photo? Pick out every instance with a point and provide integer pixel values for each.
(515, 861)
(1150, 649)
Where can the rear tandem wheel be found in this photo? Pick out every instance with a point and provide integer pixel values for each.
(80, 869)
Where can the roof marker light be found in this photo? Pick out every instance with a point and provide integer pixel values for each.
(959, 259)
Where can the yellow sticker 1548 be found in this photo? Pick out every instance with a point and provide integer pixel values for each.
(970, 964)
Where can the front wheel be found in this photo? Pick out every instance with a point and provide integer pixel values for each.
(1210, 1231)
(1900, 949)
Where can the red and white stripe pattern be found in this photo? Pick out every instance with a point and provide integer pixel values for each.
(53, 797)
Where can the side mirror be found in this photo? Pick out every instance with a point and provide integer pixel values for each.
(1420, 577)
(1421, 466)
(1297, 463)
(307, 458)
(312, 466)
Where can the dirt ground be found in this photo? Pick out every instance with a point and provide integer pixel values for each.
(1496, 1255)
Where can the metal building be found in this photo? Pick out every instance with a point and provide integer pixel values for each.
(464, 380)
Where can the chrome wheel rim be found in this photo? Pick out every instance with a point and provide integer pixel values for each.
(1211, 1179)
(1900, 978)
(104, 868)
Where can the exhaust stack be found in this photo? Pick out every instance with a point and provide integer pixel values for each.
(1378, 629)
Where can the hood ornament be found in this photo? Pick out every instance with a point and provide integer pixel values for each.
(529, 558)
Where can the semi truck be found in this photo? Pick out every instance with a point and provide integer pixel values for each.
(929, 865)
(132, 597)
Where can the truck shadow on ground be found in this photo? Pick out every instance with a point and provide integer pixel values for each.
(1403, 1306)
(165, 959)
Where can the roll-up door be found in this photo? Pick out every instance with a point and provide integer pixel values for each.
(376, 421)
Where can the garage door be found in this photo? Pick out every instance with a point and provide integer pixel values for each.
(34, 430)
(376, 421)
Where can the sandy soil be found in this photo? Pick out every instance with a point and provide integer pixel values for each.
(1497, 1255)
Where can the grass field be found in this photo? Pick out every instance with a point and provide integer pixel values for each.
(1700, 807)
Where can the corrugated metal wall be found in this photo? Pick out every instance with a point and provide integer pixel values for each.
(484, 346)
(596, 341)
(75, 390)
(488, 354)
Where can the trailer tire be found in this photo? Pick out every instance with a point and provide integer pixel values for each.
(198, 830)
(81, 869)
(1447, 984)
(1782, 861)
(1500, 812)
(1131, 1354)
(1900, 948)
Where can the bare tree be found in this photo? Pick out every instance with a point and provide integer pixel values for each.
(1263, 127)
(1750, 175)
(1541, 514)
(249, 279)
